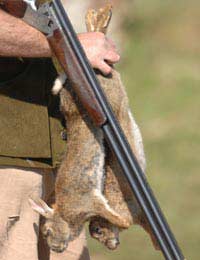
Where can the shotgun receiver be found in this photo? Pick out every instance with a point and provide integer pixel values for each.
(51, 19)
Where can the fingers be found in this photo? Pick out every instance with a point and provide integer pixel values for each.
(112, 57)
(104, 67)
(100, 50)
(111, 54)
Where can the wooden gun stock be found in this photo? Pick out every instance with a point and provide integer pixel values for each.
(14, 7)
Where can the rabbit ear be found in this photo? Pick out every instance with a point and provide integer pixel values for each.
(98, 21)
(91, 20)
(104, 16)
(41, 207)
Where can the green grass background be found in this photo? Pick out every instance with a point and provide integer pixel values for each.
(161, 70)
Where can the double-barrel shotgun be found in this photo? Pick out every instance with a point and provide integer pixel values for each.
(51, 19)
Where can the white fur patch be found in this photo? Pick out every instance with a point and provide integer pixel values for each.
(138, 142)
(58, 84)
(113, 243)
(99, 195)
(100, 167)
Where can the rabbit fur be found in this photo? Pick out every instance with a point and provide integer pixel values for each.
(90, 185)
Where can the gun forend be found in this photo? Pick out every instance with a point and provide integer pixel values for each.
(76, 77)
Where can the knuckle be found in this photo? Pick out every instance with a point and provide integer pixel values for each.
(100, 35)
(117, 56)
(113, 55)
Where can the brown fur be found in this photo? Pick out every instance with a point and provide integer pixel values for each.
(80, 180)
(116, 189)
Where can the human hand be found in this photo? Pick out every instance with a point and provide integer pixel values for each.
(100, 51)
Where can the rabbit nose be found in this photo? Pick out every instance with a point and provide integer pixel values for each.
(58, 248)
(113, 243)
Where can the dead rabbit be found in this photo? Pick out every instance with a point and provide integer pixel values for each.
(79, 189)
(80, 179)
(116, 188)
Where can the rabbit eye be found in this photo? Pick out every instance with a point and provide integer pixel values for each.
(98, 231)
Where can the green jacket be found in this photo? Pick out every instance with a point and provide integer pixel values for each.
(31, 125)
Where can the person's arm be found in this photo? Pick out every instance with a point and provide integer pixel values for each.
(17, 39)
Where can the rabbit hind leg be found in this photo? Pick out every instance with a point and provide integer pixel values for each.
(102, 209)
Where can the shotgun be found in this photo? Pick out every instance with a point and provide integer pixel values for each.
(51, 19)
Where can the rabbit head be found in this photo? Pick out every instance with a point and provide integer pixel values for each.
(103, 231)
(55, 230)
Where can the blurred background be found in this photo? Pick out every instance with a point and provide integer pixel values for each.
(160, 68)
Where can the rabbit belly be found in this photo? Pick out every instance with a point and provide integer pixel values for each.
(138, 142)
(117, 190)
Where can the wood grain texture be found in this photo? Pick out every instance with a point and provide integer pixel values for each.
(16, 8)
